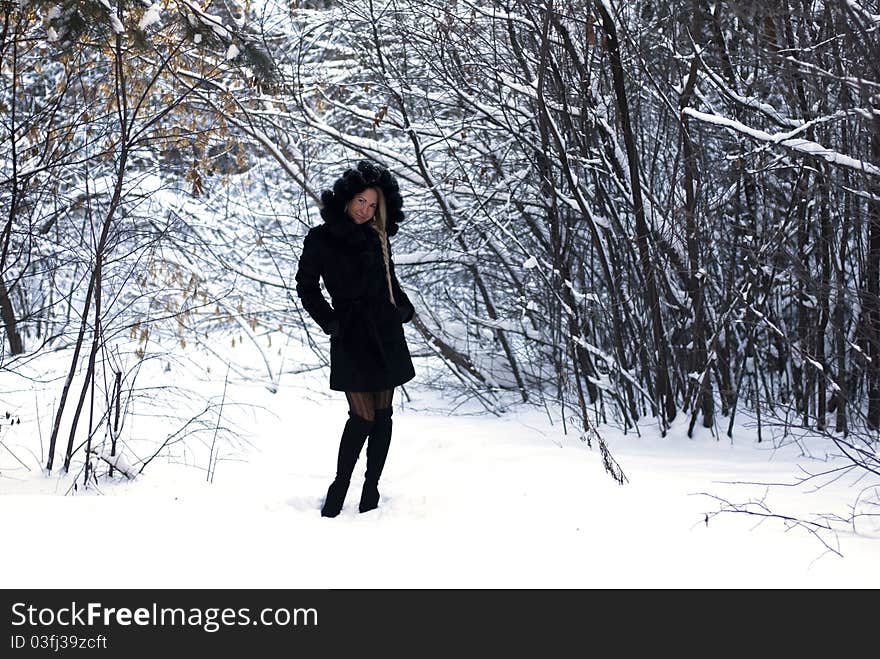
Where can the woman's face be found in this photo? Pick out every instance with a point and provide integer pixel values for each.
(362, 207)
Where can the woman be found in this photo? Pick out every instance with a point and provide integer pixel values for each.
(368, 351)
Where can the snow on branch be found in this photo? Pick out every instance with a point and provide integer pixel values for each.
(435, 256)
(754, 104)
(797, 144)
(864, 13)
(853, 82)
(118, 462)
(497, 14)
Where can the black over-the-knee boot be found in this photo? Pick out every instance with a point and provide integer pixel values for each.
(377, 451)
(353, 436)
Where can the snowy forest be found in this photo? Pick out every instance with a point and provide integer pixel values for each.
(632, 212)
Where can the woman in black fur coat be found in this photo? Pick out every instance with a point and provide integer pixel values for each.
(368, 352)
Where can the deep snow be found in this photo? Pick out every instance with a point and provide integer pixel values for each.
(469, 499)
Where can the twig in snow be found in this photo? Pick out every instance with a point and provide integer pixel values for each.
(758, 508)
(210, 475)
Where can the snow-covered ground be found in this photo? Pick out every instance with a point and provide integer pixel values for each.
(468, 499)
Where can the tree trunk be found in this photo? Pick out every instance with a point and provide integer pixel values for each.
(694, 278)
(6, 309)
(870, 299)
(824, 291)
(16, 347)
(661, 389)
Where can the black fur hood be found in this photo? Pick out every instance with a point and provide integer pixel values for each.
(352, 181)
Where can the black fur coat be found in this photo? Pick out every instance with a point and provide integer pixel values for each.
(368, 350)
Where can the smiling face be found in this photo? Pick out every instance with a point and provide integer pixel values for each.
(362, 206)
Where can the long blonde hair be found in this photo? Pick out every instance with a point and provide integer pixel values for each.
(378, 223)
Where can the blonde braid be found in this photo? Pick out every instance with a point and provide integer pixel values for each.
(384, 240)
(378, 225)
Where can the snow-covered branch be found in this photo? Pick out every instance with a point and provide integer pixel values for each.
(805, 147)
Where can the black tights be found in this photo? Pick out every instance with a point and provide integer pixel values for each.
(365, 403)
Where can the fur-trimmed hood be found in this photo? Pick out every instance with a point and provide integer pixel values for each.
(365, 175)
